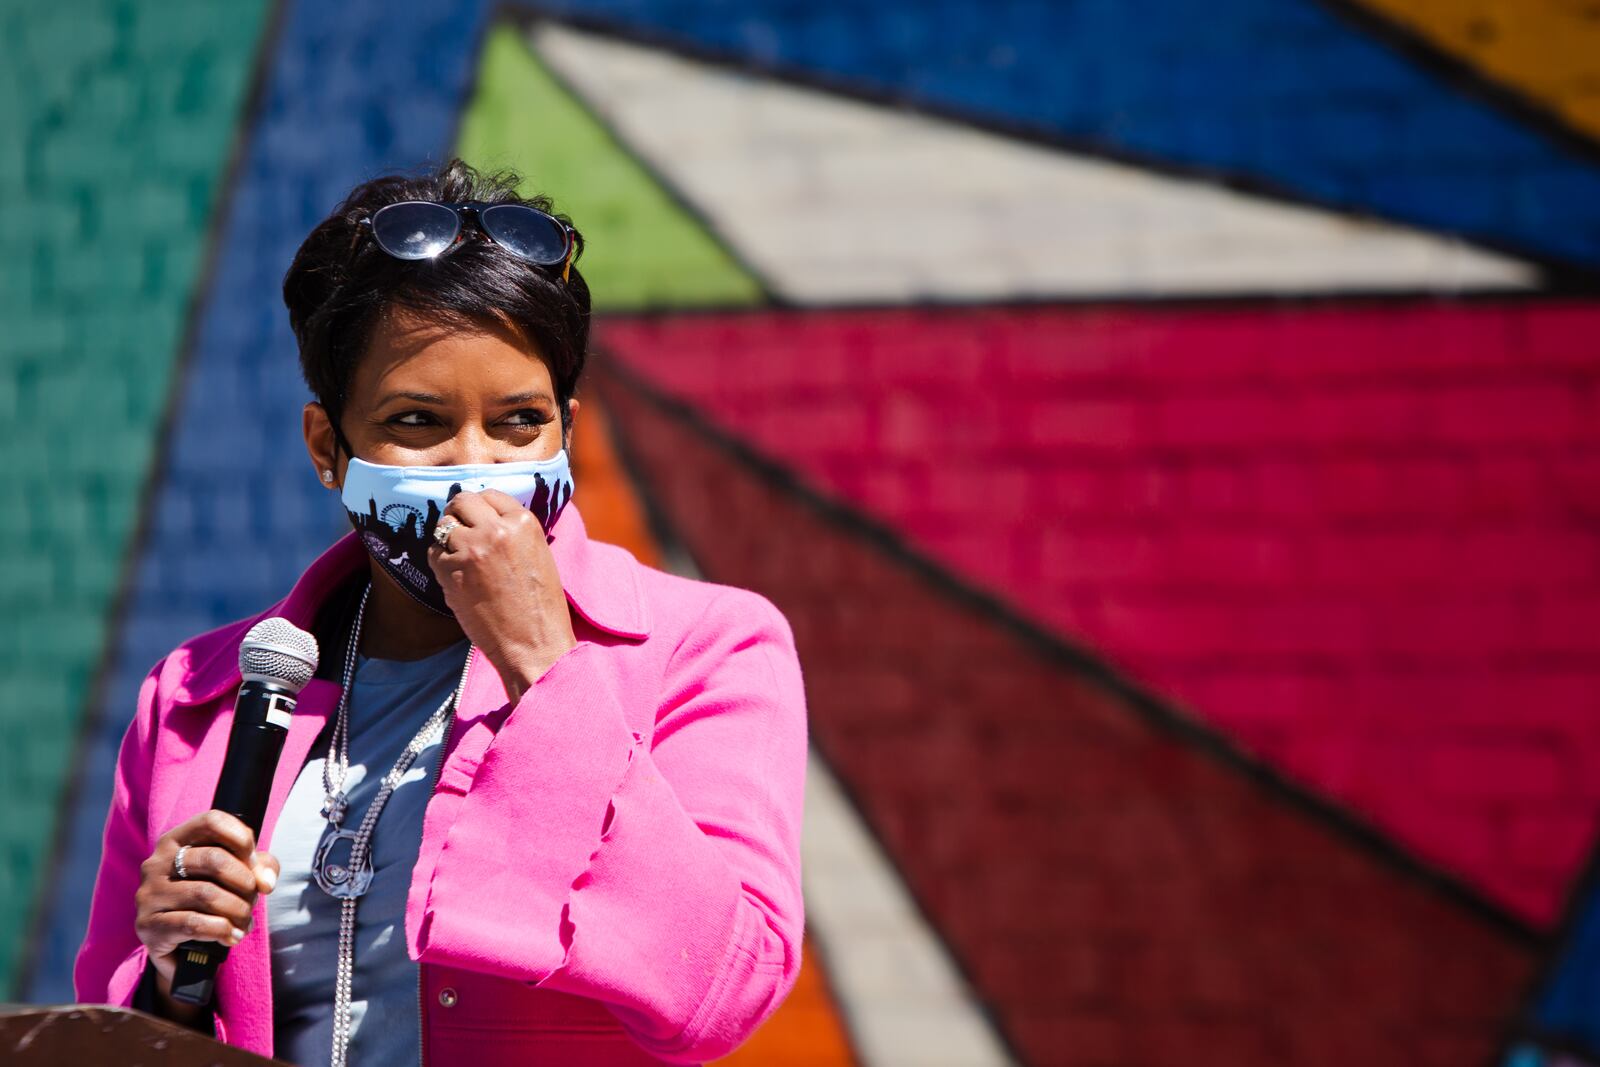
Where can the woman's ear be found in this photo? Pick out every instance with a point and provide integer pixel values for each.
(566, 429)
(322, 445)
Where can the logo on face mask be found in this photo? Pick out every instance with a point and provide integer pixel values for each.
(395, 509)
(398, 515)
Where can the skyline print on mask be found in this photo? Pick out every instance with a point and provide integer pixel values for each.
(395, 509)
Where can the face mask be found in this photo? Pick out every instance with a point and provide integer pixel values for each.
(395, 509)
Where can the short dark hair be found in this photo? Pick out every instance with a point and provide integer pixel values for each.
(336, 293)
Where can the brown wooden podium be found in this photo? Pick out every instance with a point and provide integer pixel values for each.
(87, 1035)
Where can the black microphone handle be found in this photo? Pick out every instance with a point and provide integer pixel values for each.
(260, 725)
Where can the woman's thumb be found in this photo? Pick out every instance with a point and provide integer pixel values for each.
(266, 867)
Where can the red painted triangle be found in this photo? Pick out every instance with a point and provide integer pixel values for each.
(1114, 893)
(1361, 540)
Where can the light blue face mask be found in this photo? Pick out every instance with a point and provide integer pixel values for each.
(395, 509)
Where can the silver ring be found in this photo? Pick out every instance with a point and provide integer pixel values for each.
(178, 869)
(442, 532)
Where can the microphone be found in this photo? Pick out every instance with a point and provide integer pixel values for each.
(276, 659)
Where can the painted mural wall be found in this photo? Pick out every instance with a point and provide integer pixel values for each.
(1170, 430)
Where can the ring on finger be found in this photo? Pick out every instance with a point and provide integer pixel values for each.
(442, 532)
(179, 871)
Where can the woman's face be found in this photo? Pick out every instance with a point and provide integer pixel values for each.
(431, 395)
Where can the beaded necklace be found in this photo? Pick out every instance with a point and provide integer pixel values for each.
(349, 882)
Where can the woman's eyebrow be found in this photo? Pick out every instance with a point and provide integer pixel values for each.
(421, 398)
(524, 398)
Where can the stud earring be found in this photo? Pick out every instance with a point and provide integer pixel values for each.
(327, 477)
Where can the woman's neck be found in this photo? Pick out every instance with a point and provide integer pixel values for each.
(397, 627)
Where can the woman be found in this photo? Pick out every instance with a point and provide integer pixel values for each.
(552, 795)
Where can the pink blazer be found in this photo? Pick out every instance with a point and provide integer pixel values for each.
(609, 870)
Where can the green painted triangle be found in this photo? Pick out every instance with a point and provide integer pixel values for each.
(641, 248)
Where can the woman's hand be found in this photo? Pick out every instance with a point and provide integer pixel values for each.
(212, 904)
(499, 577)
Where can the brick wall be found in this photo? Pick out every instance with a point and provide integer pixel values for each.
(1117, 893)
(115, 124)
(1295, 96)
(1345, 552)
(1359, 539)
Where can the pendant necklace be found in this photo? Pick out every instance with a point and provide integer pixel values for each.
(349, 881)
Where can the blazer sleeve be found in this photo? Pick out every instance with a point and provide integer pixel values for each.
(660, 877)
(112, 966)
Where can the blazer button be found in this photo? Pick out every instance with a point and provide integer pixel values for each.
(447, 997)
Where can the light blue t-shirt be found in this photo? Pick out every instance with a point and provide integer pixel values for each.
(389, 702)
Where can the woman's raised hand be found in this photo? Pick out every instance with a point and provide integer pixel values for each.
(225, 873)
(499, 577)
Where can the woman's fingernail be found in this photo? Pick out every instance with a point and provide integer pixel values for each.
(236, 936)
(269, 878)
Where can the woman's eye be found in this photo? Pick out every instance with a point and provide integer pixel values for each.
(413, 418)
(527, 417)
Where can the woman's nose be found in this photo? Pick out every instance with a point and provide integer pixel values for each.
(472, 445)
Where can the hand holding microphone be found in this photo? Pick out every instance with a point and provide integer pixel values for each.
(198, 887)
(223, 873)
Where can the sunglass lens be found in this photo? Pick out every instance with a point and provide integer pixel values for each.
(524, 232)
(415, 230)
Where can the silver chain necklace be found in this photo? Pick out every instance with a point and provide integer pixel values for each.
(348, 883)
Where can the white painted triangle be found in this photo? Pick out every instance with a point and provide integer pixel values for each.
(837, 201)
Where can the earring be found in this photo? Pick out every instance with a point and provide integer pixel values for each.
(327, 477)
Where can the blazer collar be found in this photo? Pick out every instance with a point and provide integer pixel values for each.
(600, 580)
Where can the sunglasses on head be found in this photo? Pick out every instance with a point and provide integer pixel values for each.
(423, 229)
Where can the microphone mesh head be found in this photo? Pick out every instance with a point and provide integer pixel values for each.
(278, 650)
